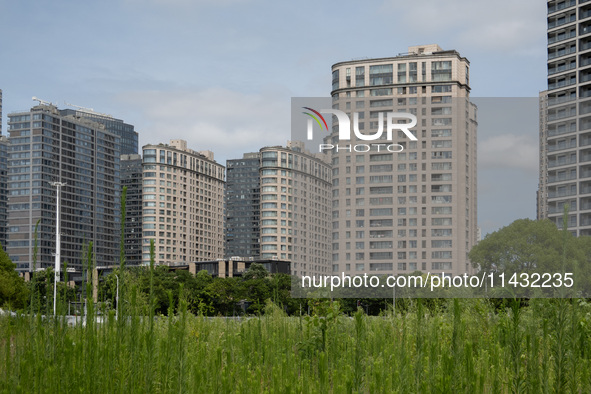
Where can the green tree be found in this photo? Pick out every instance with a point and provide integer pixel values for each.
(225, 293)
(255, 271)
(535, 246)
(13, 291)
(523, 246)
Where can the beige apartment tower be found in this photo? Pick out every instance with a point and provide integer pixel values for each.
(411, 206)
(295, 203)
(183, 212)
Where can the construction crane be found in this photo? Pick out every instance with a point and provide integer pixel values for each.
(42, 102)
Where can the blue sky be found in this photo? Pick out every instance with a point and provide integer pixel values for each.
(221, 73)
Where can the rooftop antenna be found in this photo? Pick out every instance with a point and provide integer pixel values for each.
(79, 107)
(87, 110)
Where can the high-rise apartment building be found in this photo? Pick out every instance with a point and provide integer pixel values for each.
(397, 211)
(3, 190)
(183, 204)
(3, 182)
(295, 208)
(131, 178)
(541, 195)
(48, 145)
(565, 173)
(243, 206)
(128, 137)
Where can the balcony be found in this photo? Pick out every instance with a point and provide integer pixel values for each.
(585, 172)
(561, 6)
(565, 35)
(585, 204)
(563, 20)
(584, 61)
(560, 209)
(562, 99)
(585, 44)
(562, 67)
(562, 161)
(562, 83)
(585, 123)
(563, 193)
(567, 51)
(562, 145)
(583, 14)
(562, 176)
(585, 188)
(562, 114)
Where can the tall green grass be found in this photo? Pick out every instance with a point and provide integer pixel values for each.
(469, 347)
(465, 346)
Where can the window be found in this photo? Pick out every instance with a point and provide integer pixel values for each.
(380, 266)
(380, 179)
(441, 243)
(441, 71)
(441, 144)
(359, 76)
(441, 154)
(440, 266)
(335, 79)
(441, 221)
(380, 74)
(380, 157)
(381, 255)
(440, 210)
(380, 212)
(381, 92)
(380, 245)
(441, 89)
(402, 73)
(380, 168)
(381, 103)
(441, 199)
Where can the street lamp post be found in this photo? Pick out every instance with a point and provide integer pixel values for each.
(58, 245)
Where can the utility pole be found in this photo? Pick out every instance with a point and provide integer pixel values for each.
(58, 244)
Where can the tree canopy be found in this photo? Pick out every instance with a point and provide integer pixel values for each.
(534, 246)
(13, 292)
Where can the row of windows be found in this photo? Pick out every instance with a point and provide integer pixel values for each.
(399, 256)
(383, 74)
(412, 266)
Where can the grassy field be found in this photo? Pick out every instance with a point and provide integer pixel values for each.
(467, 346)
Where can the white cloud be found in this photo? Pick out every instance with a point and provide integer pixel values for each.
(509, 151)
(226, 122)
(187, 3)
(502, 25)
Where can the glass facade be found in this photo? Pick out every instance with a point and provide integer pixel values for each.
(128, 137)
(242, 207)
(47, 145)
(565, 118)
(3, 189)
(131, 178)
